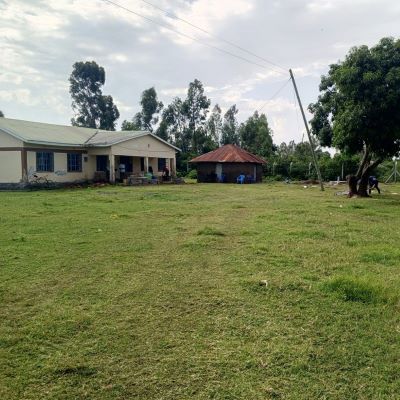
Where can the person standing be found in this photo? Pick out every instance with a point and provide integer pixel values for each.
(373, 184)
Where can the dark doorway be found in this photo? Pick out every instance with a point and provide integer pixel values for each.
(142, 164)
(101, 163)
(127, 161)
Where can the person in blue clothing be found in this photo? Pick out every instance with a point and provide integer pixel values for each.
(373, 184)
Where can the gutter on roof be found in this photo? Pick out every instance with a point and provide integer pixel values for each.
(42, 142)
(13, 134)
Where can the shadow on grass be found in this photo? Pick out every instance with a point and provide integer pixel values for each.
(78, 371)
(207, 231)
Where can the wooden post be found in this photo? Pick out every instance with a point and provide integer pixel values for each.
(146, 165)
(112, 168)
(308, 132)
(173, 167)
(24, 164)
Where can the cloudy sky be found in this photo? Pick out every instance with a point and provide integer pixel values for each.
(41, 39)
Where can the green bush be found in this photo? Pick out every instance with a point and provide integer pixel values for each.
(192, 174)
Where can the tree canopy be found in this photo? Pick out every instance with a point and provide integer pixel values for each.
(230, 134)
(129, 126)
(92, 109)
(358, 109)
(256, 135)
(147, 118)
(1, 114)
(359, 101)
(214, 124)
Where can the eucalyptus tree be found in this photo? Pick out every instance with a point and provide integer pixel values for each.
(92, 109)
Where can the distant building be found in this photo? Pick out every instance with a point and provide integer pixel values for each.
(227, 163)
(68, 154)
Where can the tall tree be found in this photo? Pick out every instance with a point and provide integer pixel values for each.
(195, 109)
(256, 135)
(214, 124)
(230, 134)
(108, 113)
(358, 109)
(1, 114)
(151, 107)
(129, 126)
(172, 125)
(92, 109)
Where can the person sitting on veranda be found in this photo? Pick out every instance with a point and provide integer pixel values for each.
(165, 174)
(151, 172)
(373, 184)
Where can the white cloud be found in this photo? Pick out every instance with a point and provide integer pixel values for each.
(22, 96)
(209, 15)
(118, 57)
(41, 39)
(173, 92)
(122, 107)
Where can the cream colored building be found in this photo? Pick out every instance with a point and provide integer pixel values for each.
(68, 154)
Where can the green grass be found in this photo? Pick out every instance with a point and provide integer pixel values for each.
(358, 289)
(154, 293)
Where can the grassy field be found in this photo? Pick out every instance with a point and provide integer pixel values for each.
(153, 293)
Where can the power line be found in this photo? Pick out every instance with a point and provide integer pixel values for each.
(174, 16)
(297, 116)
(191, 37)
(275, 94)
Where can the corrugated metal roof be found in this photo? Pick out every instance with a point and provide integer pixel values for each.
(229, 153)
(62, 135)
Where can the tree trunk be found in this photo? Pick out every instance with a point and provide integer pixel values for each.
(352, 181)
(358, 184)
(363, 183)
(365, 161)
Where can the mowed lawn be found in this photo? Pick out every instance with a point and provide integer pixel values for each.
(153, 293)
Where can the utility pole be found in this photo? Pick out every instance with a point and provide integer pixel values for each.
(308, 131)
(394, 174)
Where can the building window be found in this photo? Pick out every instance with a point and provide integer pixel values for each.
(162, 162)
(44, 162)
(142, 163)
(74, 162)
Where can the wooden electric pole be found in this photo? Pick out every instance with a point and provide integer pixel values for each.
(308, 131)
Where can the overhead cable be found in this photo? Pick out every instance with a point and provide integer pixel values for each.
(192, 37)
(275, 94)
(174, 16)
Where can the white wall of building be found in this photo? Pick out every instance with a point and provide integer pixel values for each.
(10, 167)
(10, 161)
(60, 173)
(7, 140)
(11, 158)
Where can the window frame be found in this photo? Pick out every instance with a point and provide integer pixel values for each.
(42, 164)
(74, 165)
